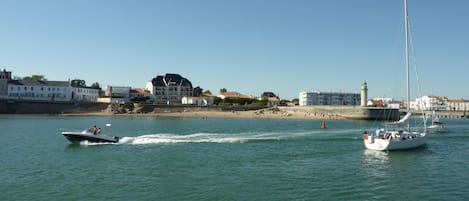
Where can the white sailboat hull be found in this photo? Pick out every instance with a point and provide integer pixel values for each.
(410, 141)
(437, 129)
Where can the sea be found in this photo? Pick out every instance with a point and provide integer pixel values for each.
(224, 159)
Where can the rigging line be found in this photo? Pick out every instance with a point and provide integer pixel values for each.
(414, 60)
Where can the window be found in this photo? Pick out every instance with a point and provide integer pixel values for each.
(32, 88)
(25, 88)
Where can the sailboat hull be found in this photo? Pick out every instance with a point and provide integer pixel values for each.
(402, 143)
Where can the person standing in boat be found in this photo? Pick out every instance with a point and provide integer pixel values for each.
(93, 129)
(98, 131)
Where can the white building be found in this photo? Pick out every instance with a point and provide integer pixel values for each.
(33, 89)
(457, 105)
(203, 100)
(430, 103)
(169, 88)
(87, 94)
(39, 90)
(115, 94)
(329, 98)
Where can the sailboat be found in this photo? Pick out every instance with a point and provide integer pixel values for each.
(392, 137)
(437, 126)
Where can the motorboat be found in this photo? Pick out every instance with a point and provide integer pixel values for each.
(90, 136)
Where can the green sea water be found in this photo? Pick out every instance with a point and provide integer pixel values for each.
(224, 159)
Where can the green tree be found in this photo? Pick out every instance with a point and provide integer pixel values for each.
(78, 83)
(207, 92)
(197, 91)
(223, 90)
(295, 101)
(34, 77)
(95, 85)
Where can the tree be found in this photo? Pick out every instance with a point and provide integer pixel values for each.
(295, 101)
(223, 90)
(78, 83)
(207, 92)
(95, 85)
(197, 91)
(34, 77)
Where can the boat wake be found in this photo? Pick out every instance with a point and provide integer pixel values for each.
(202, 138)
(167, 138)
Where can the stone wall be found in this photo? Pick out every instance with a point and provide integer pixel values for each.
(46, 107)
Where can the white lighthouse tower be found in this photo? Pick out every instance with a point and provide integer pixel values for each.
(364, 94)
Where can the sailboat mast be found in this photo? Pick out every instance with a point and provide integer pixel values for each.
(406, 24)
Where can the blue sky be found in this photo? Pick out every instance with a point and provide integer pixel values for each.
(248, 46)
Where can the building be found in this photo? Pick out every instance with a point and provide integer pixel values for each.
(271, 98)
(201, 101)
(457, 105)
(116, 94)
(329, 98)
(140, 94)
(233, 95)
(5, 76)
(431, 103)
(39, 90)
(364, 94)
(86, 94)
(169, 88)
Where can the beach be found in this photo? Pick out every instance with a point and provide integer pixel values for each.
(267, 113)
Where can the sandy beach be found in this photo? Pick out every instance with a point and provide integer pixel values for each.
(268, 113)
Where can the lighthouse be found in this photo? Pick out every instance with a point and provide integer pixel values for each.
(364, 94)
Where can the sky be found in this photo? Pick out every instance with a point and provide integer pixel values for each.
(248, 46)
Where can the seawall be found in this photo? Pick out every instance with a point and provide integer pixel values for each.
(46, 107)
(347, 112)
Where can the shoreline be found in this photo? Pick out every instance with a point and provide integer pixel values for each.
(253, 114)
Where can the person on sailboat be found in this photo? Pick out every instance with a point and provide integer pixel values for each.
(393, 134)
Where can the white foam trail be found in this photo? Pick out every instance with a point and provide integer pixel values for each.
(202, 138)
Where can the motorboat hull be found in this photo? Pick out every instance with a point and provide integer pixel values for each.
(77, 137)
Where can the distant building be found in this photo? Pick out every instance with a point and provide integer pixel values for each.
(5, 76)
(169, 88)
(376, 103)
(457, 105)
(201, 101)
(140, 94)
(116, 94)
(40, 90)
(233, 95)
(329, 98)
(364, 94)
(431, 103)
(272, 99)
(87, 94)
